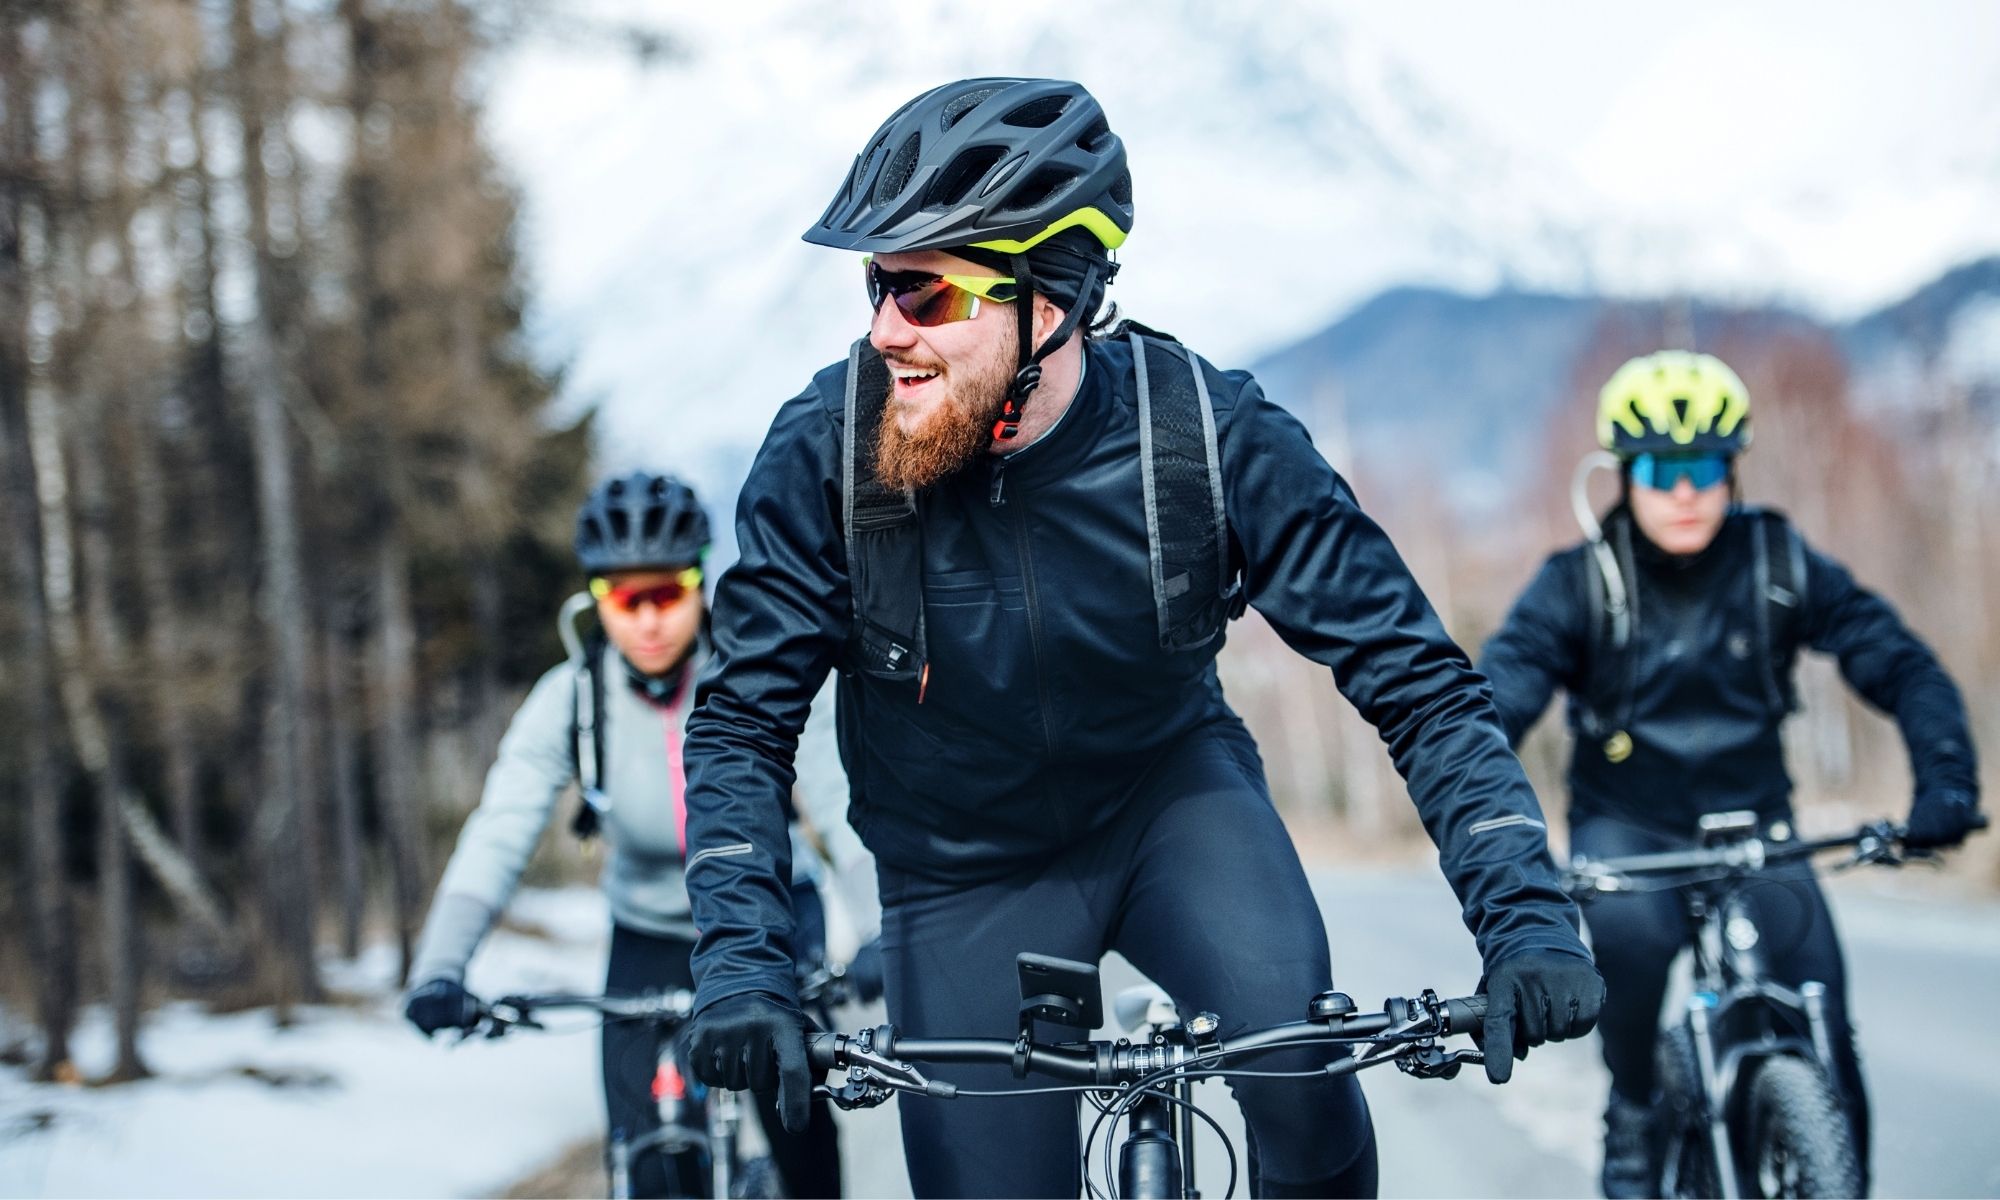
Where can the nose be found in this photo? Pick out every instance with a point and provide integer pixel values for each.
(890, 330)
(1684, 489)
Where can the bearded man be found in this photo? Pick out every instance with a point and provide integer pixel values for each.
(1021, 546)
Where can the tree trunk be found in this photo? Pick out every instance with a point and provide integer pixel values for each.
(396, 785)
(51, 933)
(343, 755)
(286, 813)
(86, 723)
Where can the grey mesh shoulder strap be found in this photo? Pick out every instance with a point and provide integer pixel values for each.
(1180, 472)
(1781, 608)
(885, 552)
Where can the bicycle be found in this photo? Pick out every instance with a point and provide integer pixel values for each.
(695, 1121)
(1149, 1082)
(1749, 1094)
(699, 1128)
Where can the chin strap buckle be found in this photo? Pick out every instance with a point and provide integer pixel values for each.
(1026, 380)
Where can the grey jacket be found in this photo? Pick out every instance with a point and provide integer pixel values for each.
(643, 829)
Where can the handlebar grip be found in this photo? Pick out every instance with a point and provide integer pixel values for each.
(822, 1050)
(1466, 1015)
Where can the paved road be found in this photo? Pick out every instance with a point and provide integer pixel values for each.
(1917, 965)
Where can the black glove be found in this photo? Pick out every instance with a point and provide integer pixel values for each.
(866, 971)
(1534, 997)
(754, 1043)
(441, 1004)
(1941, 819)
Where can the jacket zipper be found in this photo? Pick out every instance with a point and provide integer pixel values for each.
(1034, 642)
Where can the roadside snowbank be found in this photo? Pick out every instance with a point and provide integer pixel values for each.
(346, 1102)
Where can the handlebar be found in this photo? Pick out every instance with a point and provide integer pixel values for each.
(670, 1007)
(1877, 842)
(882, 1057)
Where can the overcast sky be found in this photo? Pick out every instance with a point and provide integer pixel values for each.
(1703, 105)
(1829, 155)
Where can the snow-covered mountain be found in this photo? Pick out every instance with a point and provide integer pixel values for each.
(1285, 168)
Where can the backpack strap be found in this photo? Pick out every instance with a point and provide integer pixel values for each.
(587, 738)
(1180, 471)
(1778, 554)
(1614, 617)
(885, 550)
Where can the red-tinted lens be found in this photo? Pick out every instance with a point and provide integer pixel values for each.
(925, 300)
(664, 595)
(937, 304)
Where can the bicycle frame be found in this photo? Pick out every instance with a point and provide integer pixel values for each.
(721, 1114)
(719, 1111)
(1736, 1018)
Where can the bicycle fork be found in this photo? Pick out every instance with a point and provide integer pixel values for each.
(1718, 1128)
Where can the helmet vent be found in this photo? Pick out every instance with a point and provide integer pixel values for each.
(896, 175)
(651, 523)
(1041, 188)
(1037, 113)
(621, 525)
(1121, 189)
(957, 180)
(1681, 409)
(955, 111)
(1094, 136)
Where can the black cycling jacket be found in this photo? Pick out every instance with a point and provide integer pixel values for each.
(1049, 694)
(1704, 732)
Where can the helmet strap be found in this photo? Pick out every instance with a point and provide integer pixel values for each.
(1029, 376)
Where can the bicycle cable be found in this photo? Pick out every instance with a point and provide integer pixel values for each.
(1118, 1110)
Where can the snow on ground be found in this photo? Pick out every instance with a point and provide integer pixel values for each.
(346, 1102)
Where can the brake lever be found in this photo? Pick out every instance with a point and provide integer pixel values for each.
(860, 1091)
(869, 1069)
(1429, 1061)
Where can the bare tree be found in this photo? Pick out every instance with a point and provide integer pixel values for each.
(52, 935)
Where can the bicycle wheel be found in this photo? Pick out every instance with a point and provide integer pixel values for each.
(1686, 1155)
(1800, 1141)
(757, 1179)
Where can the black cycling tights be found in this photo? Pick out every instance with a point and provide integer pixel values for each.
(1636, 937)
(1195, 882)
(641, 962)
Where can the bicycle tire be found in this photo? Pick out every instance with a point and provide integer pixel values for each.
(757, 1179)
(1685, 1162)
(1801, 1143)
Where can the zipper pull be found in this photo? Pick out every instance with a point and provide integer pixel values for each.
(993, 496)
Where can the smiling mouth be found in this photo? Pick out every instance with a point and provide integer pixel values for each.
(908, 379)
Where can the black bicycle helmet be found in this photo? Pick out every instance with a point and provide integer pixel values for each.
(1001, 164)
(639, 521)
(998, 165)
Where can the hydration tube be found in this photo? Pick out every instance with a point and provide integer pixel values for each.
(586, 701)
(1615, 599)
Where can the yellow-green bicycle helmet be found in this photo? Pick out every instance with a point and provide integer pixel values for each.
(1673, 401)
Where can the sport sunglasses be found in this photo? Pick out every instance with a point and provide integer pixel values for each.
(659, 595)
(1662, 471)
(928, 300)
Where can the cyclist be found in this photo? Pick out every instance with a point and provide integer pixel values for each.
(1674, 632)
(640, 539)
(1039, 751)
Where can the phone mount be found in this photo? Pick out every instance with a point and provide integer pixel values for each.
(1058, 990)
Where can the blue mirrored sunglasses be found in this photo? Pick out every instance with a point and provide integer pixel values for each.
(1663, 471)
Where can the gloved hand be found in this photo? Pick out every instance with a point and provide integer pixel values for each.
(866, 971)
(752, 1042)
(1534, 997)
(441, 1004)
(1941, 819)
